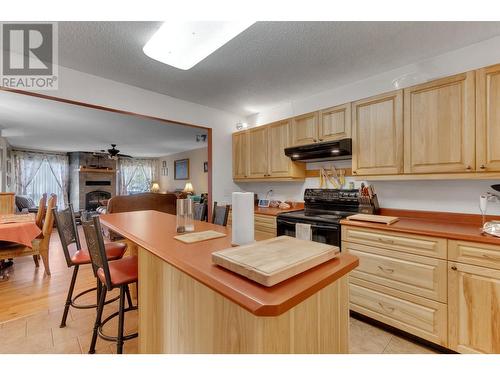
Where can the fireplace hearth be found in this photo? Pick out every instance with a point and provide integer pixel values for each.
(96, 199)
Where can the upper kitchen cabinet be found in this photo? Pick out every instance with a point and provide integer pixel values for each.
(377, 134)
(258, 152)
(488, 119)
(439, 126)
(240, 155)
(335, 123)
(278, 140)
(304, 129)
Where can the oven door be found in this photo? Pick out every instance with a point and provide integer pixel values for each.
(324, 233)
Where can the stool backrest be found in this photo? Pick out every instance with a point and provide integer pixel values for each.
(200, 211)
(68, 232)
(220, 214)
(95, 246)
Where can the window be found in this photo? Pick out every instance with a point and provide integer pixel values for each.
(139, 182)
(136, 175)
(44, 182)
(37, 173)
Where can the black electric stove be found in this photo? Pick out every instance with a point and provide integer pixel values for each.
(323, 210)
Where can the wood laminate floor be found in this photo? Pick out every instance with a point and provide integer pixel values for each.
(31, 308)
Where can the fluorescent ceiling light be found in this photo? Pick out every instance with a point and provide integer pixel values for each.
(185, 44)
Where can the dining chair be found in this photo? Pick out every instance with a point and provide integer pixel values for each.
(200, 211)
(40, 214)
(220, 214)
(116, 274)
(40, 245)
(77, 256)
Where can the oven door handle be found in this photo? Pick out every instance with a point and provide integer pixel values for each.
(313, 226)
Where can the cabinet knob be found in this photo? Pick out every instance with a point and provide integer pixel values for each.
(482, 166)
(321, 139)
(454, 268)
(354, 172)
(315, 140)
(469, 168)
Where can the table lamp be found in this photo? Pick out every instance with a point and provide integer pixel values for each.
(188, 189)
(155, 187)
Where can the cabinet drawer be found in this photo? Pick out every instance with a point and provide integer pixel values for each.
(408, 243)
(478, 254)
(416, 315)
(422, 276)
(265, 223)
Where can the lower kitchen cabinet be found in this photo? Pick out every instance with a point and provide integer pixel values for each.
(443, 290)
(419, 316)
(473, 308)
(264, 226)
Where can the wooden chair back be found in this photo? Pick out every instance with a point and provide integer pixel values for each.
(42, 209)
(48, 223)
(220, 214)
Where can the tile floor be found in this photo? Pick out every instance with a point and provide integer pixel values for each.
(40, 333)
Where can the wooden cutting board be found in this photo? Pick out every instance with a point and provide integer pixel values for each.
(199, 236)
(274, 260)
(374, 218)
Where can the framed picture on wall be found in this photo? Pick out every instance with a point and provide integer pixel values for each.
(205, 167)
(181, 169)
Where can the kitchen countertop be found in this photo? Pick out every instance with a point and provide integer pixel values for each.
(464, 227)
(155, 231)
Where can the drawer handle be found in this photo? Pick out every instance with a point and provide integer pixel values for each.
(386, 270)
(385, 240)
(390, 310)
(492, 257)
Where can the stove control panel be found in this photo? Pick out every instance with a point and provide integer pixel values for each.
(331, 195)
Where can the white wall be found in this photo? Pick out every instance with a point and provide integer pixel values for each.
(197, 176)
(91, 89)
(452, 196)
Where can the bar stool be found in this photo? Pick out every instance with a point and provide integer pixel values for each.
(117, 274)
(68, 233)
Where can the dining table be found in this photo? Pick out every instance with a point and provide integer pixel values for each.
(19, 229)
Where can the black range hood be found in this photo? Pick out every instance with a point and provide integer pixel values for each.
(334, 150)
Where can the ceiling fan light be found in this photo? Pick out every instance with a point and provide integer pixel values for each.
(183, 44)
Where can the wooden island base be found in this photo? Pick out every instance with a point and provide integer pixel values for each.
(178, 314)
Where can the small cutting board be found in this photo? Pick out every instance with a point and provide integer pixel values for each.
(199, 236)
(374, 218)
(272, 261)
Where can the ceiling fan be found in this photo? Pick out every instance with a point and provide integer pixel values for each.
(114, 153)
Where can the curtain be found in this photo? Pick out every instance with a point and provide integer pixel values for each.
(36, 173)
(127, 169)
(59, 165)
(136, 174)
(26, 166)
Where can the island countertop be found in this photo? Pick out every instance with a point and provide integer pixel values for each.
(155, 231)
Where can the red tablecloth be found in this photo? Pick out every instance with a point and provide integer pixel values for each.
(22, 233)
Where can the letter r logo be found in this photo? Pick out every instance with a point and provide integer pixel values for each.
(27, 49)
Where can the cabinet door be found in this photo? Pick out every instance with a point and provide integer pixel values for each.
(488, 119)
(305, 129)
(377, 134)
(240, 155)
(473, 308)
(257, 154)
(279, 139)
(440, 126)
(335, 123)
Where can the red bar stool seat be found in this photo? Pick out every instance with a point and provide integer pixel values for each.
(114, 251)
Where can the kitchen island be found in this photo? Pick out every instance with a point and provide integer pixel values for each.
(189, 305)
